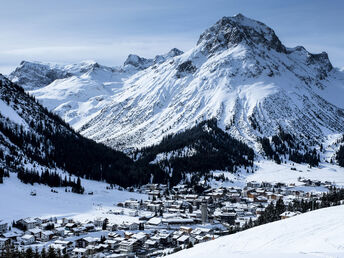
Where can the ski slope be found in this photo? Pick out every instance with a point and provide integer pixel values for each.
(314, 234)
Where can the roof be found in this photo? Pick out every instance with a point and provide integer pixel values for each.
(47, 232)
(183, 238)
(90, 239)
(35, 230)
(27, 237)
(79, 250)
(154, 221)
(150, 242)
(29, 220)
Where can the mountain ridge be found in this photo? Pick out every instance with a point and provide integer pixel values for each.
(239, 72)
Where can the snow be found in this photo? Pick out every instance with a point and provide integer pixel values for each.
(16, 201)
(269, 171)
(231, 84)
(144, 100)
(313, 234)
(11, 114)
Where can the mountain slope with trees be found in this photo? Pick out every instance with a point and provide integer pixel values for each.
(203, 148)
(30, 134)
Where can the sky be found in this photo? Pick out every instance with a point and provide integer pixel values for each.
(70, 31)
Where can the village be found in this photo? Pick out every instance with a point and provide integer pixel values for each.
(170, 219)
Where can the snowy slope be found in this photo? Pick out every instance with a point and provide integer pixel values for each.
(313, 234)
(239, 73)
(77, 92)
(20, 204)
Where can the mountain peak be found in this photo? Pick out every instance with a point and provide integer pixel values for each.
(137, 61)
(231, 31)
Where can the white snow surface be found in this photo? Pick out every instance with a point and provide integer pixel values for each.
(16, 201)
(314, 234)
(8, 112)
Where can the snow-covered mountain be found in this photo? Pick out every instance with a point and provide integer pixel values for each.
(77, 92)
(239, 73)
(313, 234)
(34, 140)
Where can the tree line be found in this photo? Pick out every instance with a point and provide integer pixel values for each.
(212, 149)
(285, 146)
(52, 179)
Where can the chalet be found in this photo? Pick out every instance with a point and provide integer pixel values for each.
(65, 243)
(175, 236)
(129, 226)
(132, 204)
(112, 244)
(155, 221)
(128, 234)
(153, 207)
(151, 244)
(151, 187)
(3, 227)
(12, 236)
(60, 231)
(153, 195)
(79, 252)
(165, 237)
(133, 213)
(228, 217)
(84, 242)
(113, 235)
(183, 240)
(201, 231)
(185, 229)
(59, 249)
(29, 223)
(141, 236)
(252, 194)
(4, 242)
(253, 184)
(260, 199)
(47, 235)
(36, 232)
(260, 211)
(98, 222)
(90, 227)
(261, 191)
(128, 246)
(70, 225)
(111, 227)
(27, 239)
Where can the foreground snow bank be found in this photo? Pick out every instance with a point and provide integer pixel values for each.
(313, 234)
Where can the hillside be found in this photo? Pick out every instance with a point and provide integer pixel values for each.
(313, 234)
(201, 149)
(33, 141)
(77, 92)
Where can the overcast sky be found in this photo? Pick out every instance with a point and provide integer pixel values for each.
(69, 31)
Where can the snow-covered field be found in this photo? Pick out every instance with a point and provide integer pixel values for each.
(269, 171)
(16, 201)
(314, 234)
